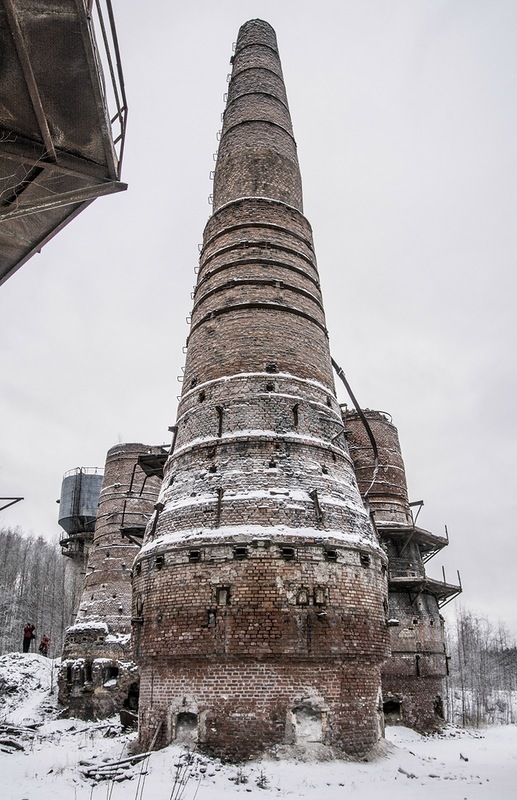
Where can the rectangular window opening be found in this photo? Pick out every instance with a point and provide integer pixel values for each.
(223, 595)
(319, 596)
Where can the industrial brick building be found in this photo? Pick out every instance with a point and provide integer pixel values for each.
(98, 676)
(413, 676)
(275, 576)
(262, 585)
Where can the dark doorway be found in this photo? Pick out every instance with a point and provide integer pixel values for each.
(392, 712)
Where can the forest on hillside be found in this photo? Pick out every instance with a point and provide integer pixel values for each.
(36, 586)
(482, 683)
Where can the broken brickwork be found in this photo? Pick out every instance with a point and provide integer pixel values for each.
(413, 679)
(260, 592)
(98, 676)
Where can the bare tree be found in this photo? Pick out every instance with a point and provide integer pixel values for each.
(33, 588)
(483, 672)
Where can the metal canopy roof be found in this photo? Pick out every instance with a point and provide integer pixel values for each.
(59, 149)
(427, 541)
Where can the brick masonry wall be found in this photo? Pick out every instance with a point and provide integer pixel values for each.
(252, 216)
(421, 700)
(388, 497)
(264, 172)
(420, 633)
(258, 300)
(257, 112)
(98, 645)
(107, 584)
(259, 597)
(272, 109)
(245, 708)
(260, 593)
(413, 677)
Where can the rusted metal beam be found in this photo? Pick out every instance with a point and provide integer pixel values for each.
(130, 534)
(407, 541)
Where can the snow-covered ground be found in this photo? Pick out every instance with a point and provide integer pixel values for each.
(456, 765)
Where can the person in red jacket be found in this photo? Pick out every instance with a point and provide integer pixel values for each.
(28, 636)
(44, 644)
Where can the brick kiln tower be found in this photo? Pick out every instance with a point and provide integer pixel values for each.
(260, 593)
(413, 679)
(97, 676)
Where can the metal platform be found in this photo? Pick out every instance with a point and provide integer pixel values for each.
(59, 146)
(428, 543)
(415, 585)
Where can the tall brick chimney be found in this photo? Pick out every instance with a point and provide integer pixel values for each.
(260, 592)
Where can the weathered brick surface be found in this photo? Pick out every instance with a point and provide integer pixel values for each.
(271, 110)
(260, 594)
(107, 584)
(421, 698)
(257, 152)
(265, 220)
(388, 496)
(413, 677)
(97, 669)
(242, 597)
(246, 707)
(257, 281)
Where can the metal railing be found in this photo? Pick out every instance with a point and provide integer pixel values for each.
(84, 470)
(101, 20)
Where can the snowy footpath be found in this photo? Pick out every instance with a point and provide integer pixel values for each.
(45, 758)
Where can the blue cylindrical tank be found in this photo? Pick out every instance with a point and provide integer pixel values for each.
(80, 492)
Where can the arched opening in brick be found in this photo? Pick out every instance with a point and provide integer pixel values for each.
(186, 727)
(308, 724)
(392, 712)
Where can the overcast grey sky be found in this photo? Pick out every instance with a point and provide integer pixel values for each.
(405, 114)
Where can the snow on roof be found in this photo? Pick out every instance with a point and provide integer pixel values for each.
(88, 625)
(118, 638)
